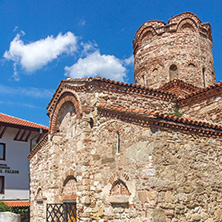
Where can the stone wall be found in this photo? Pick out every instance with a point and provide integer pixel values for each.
(181, 49)
(209, 110)
(124, 172)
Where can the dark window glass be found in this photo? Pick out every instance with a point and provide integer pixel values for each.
(2, 183)
(2, 151)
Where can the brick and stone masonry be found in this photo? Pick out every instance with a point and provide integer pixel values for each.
(147, 152)
(181, 49)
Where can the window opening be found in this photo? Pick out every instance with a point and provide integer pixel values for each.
(91, 122)
(173, 72)
(191, 66)
(144, 82)
(204, 80)
(2, 184)
(118, 143)
(2, 151)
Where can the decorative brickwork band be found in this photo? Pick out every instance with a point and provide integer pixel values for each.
(65, 97)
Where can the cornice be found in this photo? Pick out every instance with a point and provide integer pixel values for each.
(201, 94)
(159, 120)
(89, 84)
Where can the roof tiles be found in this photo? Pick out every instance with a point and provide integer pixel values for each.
(17, 121)
(17, 203)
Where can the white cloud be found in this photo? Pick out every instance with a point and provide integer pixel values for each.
(82, 22)
(95, 64)
(10, 103)
(129, 61)
(29, 92)
(35, 55)
(15, 28)
(88, 47)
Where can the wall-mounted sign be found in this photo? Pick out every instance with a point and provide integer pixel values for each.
(5, 169)
(9, 171)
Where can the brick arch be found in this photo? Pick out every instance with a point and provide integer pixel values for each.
(187, 23)
(189, 62)
(152, 23)
(69, 172)
(147, 33)
(119, 176)
(69, 188)
(64, 98)
(39, 193)
(119, 188)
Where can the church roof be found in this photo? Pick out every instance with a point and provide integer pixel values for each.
(159, 120)
(86, 84)
(201, 94)
(178, 88)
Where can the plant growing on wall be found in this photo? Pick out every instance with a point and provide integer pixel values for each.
(176, 111)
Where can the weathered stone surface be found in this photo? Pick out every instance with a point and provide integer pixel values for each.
(108, 160)
(159, 215)
(166, 52)
(157, 168)
(143, 196)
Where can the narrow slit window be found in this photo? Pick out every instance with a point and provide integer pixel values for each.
(118, 143)
(173, 72)
(204, 79)
(144, 82)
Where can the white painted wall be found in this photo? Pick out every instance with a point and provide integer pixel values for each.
(16, 185)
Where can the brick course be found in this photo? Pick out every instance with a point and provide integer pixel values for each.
(133, 153)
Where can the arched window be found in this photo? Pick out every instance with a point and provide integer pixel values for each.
(144, 81)
(118, 143)
(64, 118)
(204, 79)
(173, 72)
(91, 122)
(69, 188)
(187, 28)
(191, 66)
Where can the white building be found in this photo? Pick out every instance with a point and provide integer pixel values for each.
(17, 138)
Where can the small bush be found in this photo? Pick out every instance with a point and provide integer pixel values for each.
(4, 207)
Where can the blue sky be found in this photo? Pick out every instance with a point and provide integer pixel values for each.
(44, 41)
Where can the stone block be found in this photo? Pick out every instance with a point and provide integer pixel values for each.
(108, 160)
(218, 215)
(159, 215)
(96, 157)
(118, 199)
(168, 196)
(86, 200)
(152, 195)
(143, 196)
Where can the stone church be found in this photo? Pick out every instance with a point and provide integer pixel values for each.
(149, 151)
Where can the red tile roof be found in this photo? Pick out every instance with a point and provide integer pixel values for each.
(201, 94)
(13, 203)
(146, 118)
(179, 88)
(85, 84)
(19, 122)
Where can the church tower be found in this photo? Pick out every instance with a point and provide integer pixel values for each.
(181, 49)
